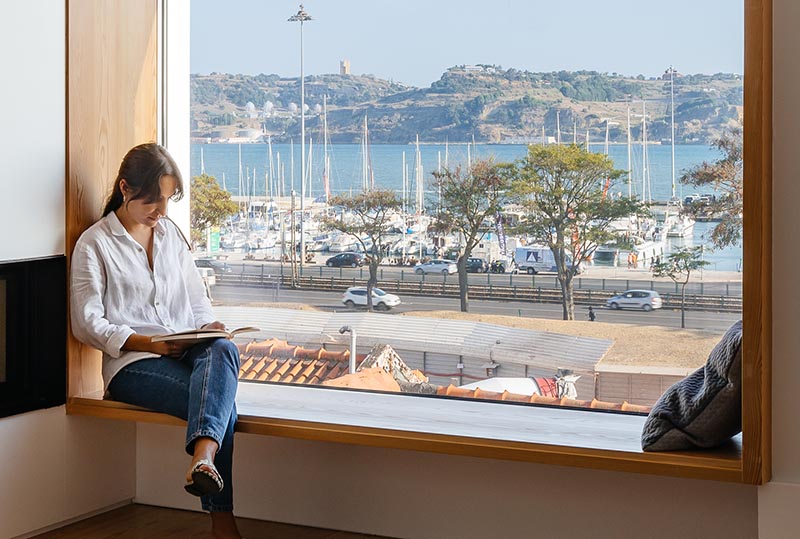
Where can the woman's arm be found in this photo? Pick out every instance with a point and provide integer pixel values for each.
(87, 312)
(143, 343)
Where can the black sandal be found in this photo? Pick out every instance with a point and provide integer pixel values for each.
(204, 482)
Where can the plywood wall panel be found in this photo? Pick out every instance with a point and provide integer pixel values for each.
(112, 100)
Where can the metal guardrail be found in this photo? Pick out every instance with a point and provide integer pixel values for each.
(582, 282)
(695, 302)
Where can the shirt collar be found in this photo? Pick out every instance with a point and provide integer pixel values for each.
(118, 229)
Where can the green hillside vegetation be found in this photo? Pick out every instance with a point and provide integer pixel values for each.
(488, 102)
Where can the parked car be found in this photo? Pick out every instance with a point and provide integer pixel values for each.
(477, 265)
(382, 301)
(646, 300)
(445, 267)
(208, 276)
(217, 265)
(352, 260)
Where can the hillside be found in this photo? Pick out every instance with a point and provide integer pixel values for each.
(487, 102)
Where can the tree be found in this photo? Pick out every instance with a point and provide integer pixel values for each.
(679, 266)
(209, 206)
(466, 203)
(563, 192)
(366, 217)
(725, 176)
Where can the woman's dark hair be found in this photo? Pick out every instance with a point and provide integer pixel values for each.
(142, 169)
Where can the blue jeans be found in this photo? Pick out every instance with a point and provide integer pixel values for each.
(200, 388)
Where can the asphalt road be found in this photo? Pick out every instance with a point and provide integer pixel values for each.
(331, 301)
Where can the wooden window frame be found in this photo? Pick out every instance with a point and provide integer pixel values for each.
(104, 78)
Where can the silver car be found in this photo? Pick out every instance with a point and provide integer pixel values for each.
(445, 267)
(645, 300)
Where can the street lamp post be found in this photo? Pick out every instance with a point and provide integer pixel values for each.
(301, 16)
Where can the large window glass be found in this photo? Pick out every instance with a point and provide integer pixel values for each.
(545, 200)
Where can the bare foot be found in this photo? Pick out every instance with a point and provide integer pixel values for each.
(223, 526)
(204, 449)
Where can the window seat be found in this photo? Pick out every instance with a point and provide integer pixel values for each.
(590, 439)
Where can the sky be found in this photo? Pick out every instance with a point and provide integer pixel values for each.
(415, 41)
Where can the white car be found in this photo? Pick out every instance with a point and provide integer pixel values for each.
(382, 301)
(445, 267)
(646, 300)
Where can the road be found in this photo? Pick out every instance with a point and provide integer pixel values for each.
(330, 301)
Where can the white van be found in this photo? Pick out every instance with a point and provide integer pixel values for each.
(534, 259)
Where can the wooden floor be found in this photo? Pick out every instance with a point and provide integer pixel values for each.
(148, 522)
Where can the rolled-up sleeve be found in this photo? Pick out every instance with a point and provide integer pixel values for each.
(88, 315)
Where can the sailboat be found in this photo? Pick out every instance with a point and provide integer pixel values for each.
(367, 174)
(326, 160)
(681, 225)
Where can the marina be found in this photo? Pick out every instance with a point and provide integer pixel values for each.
(261, 177)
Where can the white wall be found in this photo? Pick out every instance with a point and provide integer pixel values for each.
(54, 468)
(57, 467)
(778, 501)
(32, 136)
(427, 496)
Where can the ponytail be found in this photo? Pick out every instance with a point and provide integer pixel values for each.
(142, 169)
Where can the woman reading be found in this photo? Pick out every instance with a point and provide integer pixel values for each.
(133, 277)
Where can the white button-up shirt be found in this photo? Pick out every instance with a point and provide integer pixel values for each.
(114, 293)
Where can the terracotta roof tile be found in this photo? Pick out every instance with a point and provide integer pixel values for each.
(277, 361)
(628, 407)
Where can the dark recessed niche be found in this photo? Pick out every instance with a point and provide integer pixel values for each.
(33, 334)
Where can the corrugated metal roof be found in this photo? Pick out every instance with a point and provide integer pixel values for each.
(480, 340)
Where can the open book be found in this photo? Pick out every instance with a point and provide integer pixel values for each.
(200, 334)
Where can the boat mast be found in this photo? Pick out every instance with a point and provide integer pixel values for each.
(279, 188)
(241, 185)
(308, 168)
(420, 208)
(672, 123)
(629, 150)
(273, 186)
(326, 161)
(364, 162)
(291, 163)
(439, 170)
(645, 171)
(418, 179)
(558, 127)
(405, 180)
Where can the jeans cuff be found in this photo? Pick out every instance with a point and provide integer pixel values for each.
(205, 433)
(214, 508)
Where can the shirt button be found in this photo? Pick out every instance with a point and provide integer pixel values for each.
(157, 303)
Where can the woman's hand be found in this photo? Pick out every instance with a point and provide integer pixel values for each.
(216, 324)
(174, 349)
